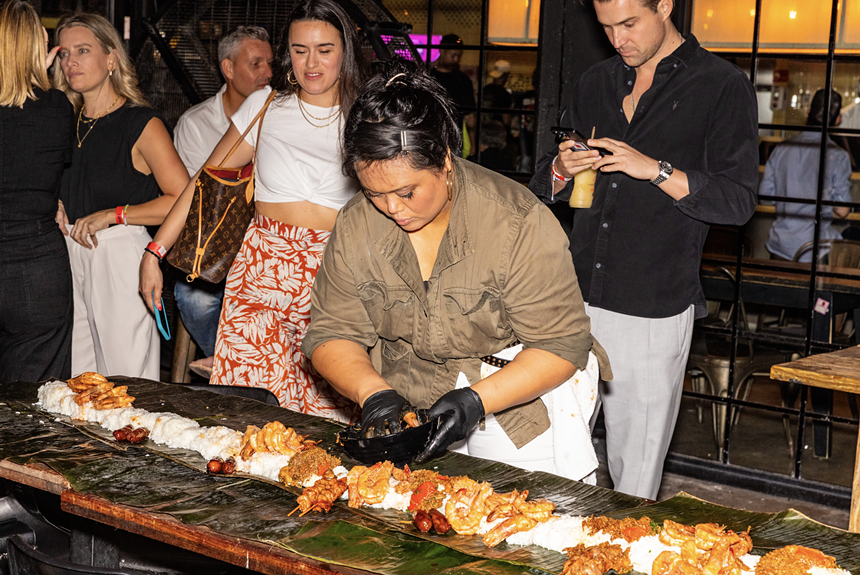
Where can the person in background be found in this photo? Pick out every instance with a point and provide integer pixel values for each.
(682, 128)
(36, 126)
(493, 141)
(299, 188)
(446, 71)
(447, 286)
(125, 174)
(792, 172)
(495, 94)
(245, 56)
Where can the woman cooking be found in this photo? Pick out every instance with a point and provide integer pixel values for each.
(438, 275)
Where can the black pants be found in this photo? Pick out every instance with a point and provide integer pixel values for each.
(36, 313)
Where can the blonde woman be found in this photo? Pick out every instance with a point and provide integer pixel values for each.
(35, 279)
(125, 174)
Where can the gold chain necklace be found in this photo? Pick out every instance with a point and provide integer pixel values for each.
(93, 120)
(307, 115)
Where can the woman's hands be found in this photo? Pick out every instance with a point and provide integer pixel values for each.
(459, 412)
(61, 218)
(86, 227)
(151, 281)
(381, 413)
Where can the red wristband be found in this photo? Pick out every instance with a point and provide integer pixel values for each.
(119, 214)
(157, 250)
(555, 174)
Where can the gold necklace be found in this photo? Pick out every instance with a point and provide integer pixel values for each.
(93, 120)
(307, 115)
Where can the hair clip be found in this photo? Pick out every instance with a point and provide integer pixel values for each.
(404, 148)
(394, 77)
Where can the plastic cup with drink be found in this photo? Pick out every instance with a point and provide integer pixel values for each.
(583, 185)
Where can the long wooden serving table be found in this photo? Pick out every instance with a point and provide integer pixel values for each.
(245, 521)
(837, 370)
(164, 494)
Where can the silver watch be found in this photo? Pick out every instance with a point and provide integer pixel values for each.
(666, 170)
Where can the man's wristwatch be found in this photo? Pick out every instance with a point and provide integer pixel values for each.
(666, 170)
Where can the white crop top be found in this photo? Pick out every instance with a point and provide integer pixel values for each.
(295, 160)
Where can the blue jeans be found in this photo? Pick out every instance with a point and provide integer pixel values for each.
(199, 305)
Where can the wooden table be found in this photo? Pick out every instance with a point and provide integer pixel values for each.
(235, 550)
(788, 287)
(837, 370)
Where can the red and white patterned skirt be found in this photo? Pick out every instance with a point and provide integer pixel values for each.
(265, 315)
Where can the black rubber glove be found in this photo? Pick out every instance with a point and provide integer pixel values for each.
(459, 411)
(381, 413)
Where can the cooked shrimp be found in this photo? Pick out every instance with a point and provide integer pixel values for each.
(499, 505)
(515, 524)
(355, 500)
(676, 534)
(465, 508)
(539, 510)
(249, 442)
(670, 563)
(373, 484)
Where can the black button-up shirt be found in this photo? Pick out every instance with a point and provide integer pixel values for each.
(636, 250)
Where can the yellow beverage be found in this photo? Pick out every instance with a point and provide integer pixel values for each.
(583, 189)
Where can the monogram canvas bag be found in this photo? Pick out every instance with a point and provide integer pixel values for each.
(221, 209)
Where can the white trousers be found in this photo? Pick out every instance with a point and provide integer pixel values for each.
(564, 449)
(114, 333)
(640, 404)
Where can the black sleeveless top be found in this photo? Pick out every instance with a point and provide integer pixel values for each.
(102, 175)
(34, 147)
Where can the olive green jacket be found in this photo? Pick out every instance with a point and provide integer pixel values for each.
(503, 274)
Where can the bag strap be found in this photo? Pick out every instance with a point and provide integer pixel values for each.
(249, 190)
(259, 117)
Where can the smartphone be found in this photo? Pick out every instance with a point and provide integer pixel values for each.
(565, 134)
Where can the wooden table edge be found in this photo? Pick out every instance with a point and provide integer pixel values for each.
(253, 555)
(247, 553)
(36, 475)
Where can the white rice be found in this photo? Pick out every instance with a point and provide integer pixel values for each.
(172, 430)
(823, 571)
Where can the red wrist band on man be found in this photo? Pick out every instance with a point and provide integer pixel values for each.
(156, 250)
(119, 214)
(555, 174)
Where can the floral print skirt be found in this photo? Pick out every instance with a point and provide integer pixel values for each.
(265, 315)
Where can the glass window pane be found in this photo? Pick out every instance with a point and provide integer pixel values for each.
(461, 17)
(724, 23)
(799, 24)
(849, 26)
(513, 21)
(792, 85)
(411, 11)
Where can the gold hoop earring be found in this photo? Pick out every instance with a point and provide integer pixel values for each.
(450, 186)
(291, 77)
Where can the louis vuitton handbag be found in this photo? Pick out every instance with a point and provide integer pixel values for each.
(221, 209)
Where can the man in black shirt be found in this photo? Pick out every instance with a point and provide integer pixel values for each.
(446, 70)
(677, 129)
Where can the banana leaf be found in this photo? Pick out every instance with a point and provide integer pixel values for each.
(166, 480)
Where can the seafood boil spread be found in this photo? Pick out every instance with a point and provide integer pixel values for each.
(450, 506)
